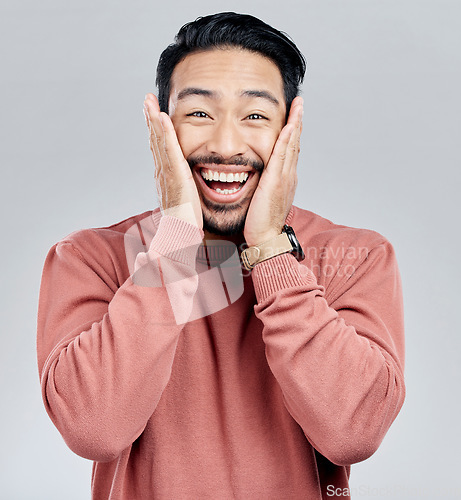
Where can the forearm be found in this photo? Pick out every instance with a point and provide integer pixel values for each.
(103, 378)
(102, 386)
(343, 383)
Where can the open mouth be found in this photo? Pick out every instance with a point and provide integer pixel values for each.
(224, 183)
(223, 187)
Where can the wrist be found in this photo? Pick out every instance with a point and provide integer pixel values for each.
(284, 242)
(259, 239)
(185, 212)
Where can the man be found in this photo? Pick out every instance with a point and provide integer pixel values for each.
(228, 344)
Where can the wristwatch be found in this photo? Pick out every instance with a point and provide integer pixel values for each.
(283, 243)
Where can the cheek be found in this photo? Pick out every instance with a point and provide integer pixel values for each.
(262, 143)
(190, 138)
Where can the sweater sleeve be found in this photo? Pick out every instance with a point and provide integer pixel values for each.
(339, 362)
(105, 355)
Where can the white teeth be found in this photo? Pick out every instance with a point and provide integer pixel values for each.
(228, 191)
(211, 175)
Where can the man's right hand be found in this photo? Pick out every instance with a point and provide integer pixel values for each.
(176, 189)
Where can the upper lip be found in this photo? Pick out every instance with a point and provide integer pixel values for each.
(228, 169)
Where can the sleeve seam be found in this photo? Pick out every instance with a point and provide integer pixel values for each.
(357, 264)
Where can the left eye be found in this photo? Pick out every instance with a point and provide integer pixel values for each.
(256, 116)
(198, 114)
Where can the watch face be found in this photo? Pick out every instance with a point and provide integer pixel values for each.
(297, 250)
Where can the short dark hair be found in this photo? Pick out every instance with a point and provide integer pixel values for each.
(229, 29)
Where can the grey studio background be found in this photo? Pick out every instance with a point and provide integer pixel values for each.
(380, 150)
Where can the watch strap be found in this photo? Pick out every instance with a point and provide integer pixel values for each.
(259, 253)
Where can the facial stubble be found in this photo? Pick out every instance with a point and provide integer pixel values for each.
(235, 213)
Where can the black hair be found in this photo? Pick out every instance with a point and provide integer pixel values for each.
(229, 29)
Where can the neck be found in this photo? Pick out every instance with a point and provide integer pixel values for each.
(238, 239)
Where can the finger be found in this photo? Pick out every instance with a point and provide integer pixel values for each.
(151, 98)
(155, 147)
(166, 142)
(288, 133)
(294, 109)
(295, 118)
(153, 111)
(156, 135)
(151, 106)
(279, 152)
(172, 148)
(293, 147)
(291, 158)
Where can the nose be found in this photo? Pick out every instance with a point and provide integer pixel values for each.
(227, 140)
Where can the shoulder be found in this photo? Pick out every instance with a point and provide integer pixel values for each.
(336, 253)
(108, 235)
(317, 231)
(108, 249)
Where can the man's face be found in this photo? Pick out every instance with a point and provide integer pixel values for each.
(228, 108)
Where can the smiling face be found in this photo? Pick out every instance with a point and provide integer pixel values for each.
(228, 108)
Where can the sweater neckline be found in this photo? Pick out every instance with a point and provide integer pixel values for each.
(215, 252)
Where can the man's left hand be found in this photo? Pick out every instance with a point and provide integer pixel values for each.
(275, 192)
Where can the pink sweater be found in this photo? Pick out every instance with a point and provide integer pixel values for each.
(271, 397)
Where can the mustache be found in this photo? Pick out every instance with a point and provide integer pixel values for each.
(258, 165)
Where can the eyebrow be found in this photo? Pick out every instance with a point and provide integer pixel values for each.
(196, 91)
(263, 94)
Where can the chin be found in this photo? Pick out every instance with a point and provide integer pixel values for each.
(221, 221)
(224, 229)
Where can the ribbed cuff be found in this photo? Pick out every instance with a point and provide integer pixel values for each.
(279, 273)
(177, 240)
